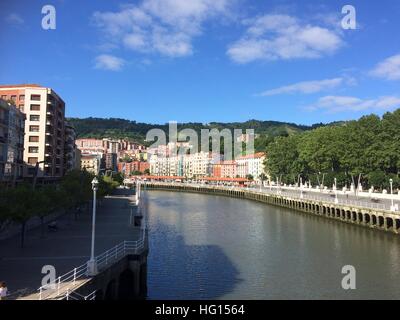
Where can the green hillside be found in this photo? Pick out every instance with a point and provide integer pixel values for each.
(122, 128)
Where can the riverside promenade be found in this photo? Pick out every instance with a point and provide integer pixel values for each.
(365, 214)
(69, 246)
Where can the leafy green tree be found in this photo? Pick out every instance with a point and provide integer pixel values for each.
(24, 206)
(377, 178)
(77, 186)
(368, 147)
(118, 177)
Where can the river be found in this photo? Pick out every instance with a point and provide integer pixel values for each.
(214, 247)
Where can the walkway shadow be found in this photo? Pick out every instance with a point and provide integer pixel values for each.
(179, 271)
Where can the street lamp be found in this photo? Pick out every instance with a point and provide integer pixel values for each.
(301, 188)
(336, 196)
(391, 195)
(92, 264)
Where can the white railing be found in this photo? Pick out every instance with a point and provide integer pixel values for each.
(76, 296)
(65, 284)
(295, 194)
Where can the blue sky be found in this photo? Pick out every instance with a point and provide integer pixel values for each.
(207, 60)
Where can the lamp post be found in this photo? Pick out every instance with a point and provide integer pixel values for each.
(301, 188)
(92, 265)
(36, 174)
(336, 196)
(391, 195)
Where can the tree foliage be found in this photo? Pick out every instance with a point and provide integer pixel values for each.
(22, 203)
(369, 146)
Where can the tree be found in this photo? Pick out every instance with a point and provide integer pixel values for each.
(118, 177)
(77, 186)
(368, 146)
(377, 179)
(49, 199)
(24, 206)
(250, 177)
(263, 177)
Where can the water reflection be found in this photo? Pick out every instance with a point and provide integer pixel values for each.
(210, 247)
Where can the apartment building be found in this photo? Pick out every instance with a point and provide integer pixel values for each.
(111, 161)
(70, 156)
(188, 165)
(12, 124)
(123, 149)
(135, 166)
(252, 164)
(225, 169)
(91, 163)
(44, 127)
(91, 146)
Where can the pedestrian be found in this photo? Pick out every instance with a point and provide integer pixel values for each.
(3, 290)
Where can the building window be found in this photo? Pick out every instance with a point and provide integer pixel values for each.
(34, 139)
(14, 98)
(35, 97)
(34, 117)
(4, 97)
(22, 97)
(33, 149)
(21, 107)
(32, 160)
(35, 107)
(34, 128)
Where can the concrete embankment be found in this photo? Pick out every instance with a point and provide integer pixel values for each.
(371, 218)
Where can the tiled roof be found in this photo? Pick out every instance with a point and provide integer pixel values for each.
(20, 85)
(252, 156)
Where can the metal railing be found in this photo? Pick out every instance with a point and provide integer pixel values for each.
(76, 296)
(65, 284)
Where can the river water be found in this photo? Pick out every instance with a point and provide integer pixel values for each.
(214, 247)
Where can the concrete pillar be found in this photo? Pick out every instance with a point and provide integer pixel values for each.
(371, 221)
(385, 223)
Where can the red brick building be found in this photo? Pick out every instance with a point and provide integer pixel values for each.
(128, 167)
(225, 169)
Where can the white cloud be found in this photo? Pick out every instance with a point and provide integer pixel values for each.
(306, 87)
(274, 36)
(15, 19)
(165, 27)
(335, 104)
(388, 69)
(109, 62)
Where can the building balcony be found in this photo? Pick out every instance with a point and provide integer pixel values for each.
(3, 139)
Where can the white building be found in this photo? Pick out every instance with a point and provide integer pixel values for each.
(252, 164)
(187, 165)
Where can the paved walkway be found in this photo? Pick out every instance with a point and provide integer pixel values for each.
(69, 246)
(349, 198)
